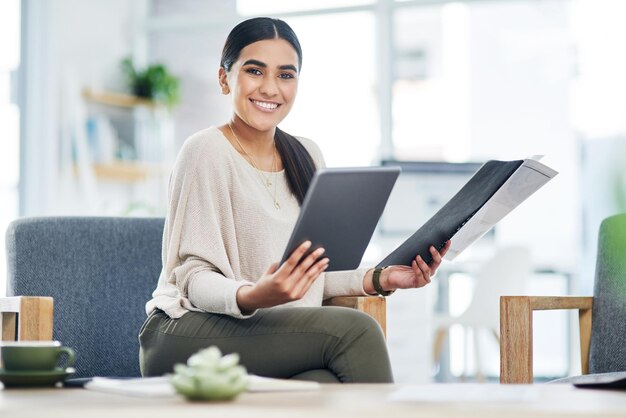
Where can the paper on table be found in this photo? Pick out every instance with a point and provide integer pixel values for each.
(266, 384)
(143, 387)
(526, 180)
(466, 393)
(161, 387)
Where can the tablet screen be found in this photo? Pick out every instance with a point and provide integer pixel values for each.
(340, 212)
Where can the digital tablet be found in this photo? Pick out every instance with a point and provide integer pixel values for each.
(340, 212)
(615, 380)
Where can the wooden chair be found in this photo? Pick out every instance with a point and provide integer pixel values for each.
(602, 317)
(505, 272)
(93, 276)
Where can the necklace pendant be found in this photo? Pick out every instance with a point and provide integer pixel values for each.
(269, 183)
(276, 205)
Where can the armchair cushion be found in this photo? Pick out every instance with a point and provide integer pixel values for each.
(608, 330)
(99, 271)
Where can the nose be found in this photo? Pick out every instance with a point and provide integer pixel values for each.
(269, 87)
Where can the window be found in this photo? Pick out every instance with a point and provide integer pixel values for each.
(267, 8)
(431, 106)
(336, 105)
(9, 120)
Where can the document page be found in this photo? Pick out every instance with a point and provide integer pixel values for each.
(492, 192)
(464, 393)
(525, 181)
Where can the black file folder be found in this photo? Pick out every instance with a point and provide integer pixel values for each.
(444, 224)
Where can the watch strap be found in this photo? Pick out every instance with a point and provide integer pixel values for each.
(376, 282)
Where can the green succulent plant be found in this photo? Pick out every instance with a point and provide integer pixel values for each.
(209, 376)
(154, 82)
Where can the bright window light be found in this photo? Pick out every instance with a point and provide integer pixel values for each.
(9, 122)
(9, 33)
(255, 7)
(336, 105)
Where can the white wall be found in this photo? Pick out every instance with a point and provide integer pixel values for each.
(520, 105)
(67, 41)
(193, 54)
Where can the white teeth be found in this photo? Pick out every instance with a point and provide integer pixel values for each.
(265, 104)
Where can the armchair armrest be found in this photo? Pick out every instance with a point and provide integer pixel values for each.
(26, 318)
(374, 306)
(516, 332)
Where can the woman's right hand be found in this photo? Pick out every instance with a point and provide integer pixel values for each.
(285, 283)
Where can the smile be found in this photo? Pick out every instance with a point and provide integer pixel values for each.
(265, 105)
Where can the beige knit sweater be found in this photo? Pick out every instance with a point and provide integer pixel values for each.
(222, 231)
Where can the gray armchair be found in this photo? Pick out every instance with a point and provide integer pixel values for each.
(95, 273)
(602, 317)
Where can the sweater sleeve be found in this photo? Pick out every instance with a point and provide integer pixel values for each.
(344, 283)
(198, 236)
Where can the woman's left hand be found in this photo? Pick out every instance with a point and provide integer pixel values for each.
(418, 275)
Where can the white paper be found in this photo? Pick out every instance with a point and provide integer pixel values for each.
(160, 387)
(526, 180)
(143, 387)
(466, 393)
(266, 384)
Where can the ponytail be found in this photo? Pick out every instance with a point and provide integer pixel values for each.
(298, 164)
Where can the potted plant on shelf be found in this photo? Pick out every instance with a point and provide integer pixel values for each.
(154, 82)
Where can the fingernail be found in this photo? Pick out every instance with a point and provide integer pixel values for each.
(307, 243)
(320, 251)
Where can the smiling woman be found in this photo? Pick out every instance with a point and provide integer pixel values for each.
(235, 196)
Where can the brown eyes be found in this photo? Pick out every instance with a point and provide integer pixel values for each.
(256, 71)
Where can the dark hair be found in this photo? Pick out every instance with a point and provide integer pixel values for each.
(299, 166)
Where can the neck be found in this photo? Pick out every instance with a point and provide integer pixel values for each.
(256, 142)
(260, 152)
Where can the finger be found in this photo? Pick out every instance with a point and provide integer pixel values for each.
(297, 281)
(421, 279)
(303, 285)
(272, 268)
(419, 276)
(424, 268)
(305, 264)
(436, 256)
(445, 248)
(295, 257)
(319, 266)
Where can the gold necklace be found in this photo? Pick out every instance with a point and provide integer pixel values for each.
(265, 180)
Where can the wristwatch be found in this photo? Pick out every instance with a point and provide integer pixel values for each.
(376, 282)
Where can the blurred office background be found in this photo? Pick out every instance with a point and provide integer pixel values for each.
(440, 85)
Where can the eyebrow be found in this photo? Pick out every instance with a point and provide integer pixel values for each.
(264, 65)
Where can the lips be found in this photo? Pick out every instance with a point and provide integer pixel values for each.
(266, 106)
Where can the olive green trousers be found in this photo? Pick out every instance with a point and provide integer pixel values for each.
(325, 344)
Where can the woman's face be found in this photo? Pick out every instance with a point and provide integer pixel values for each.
(263, 83)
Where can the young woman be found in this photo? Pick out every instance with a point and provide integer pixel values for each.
(235, 195)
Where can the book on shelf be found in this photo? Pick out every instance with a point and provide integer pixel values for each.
(490, 194)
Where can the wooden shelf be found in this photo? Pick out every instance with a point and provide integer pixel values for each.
(117, 99)
(128, 171)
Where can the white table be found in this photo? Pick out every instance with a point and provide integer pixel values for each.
(331, 401)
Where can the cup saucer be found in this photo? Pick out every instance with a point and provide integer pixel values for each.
(11, 378)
